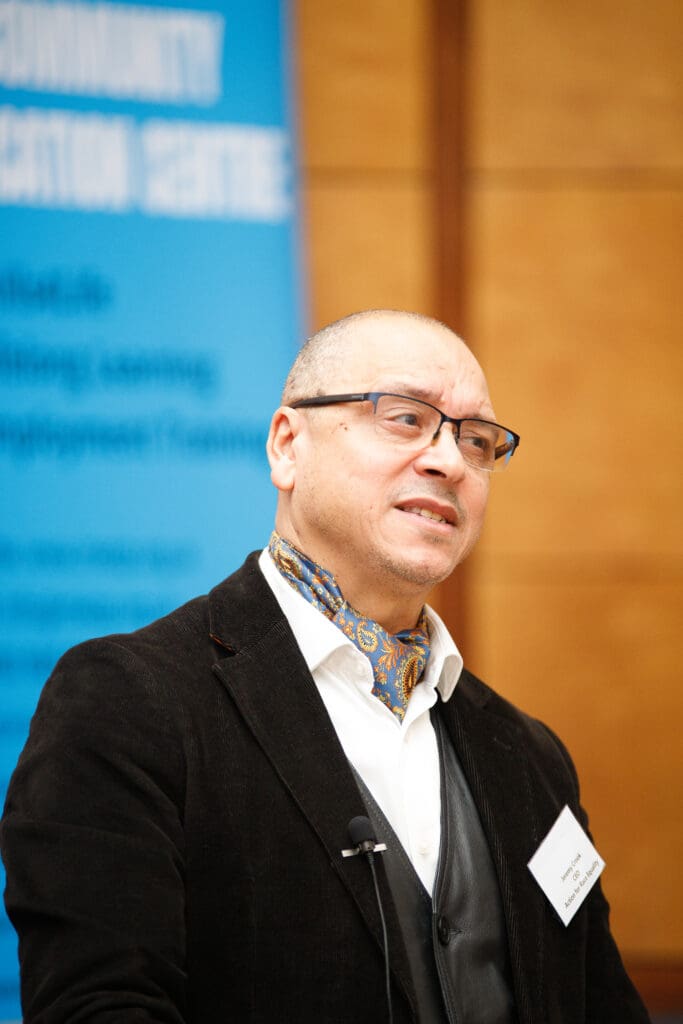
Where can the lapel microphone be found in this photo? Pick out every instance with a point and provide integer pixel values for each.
(362, 834)
(363, 839)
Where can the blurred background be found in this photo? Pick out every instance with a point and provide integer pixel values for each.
(513, 167)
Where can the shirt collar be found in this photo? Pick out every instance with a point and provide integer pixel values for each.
(318, 638)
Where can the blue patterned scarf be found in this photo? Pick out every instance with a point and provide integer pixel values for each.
(397, 660)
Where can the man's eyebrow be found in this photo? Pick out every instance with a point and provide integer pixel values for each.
(409, 390)
(426, 394)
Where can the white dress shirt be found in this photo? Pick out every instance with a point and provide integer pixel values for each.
(398, 761)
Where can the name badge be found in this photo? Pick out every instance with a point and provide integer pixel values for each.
(566, 865)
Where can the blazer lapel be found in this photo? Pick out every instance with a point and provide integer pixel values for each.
(494, 761)
(268, 679)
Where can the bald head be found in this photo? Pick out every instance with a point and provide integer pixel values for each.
(321, 355)
(388, 520)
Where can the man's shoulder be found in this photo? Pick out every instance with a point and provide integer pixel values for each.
(185, 638)
(538, 739)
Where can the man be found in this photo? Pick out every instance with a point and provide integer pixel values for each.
(174, 829)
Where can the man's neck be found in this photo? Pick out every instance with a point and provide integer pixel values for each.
(395, 605)
(394, 612)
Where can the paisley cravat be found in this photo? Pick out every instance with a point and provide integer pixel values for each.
(397, 660)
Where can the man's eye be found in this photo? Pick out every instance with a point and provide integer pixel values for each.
(408, 419)
(475, 441)
(480, 446)
(403, 417)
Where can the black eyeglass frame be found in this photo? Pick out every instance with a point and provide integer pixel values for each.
(374, 396)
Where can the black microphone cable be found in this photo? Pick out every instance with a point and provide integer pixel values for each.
(362, 836)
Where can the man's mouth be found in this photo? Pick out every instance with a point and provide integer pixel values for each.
(427, 513)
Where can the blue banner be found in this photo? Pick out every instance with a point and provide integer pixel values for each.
(150, 305)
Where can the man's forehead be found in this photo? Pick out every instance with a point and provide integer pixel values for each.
(389, 343)
(393, 351)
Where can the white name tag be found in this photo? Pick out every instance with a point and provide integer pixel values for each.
(566, 865)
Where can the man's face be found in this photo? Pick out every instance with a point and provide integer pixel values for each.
(386, 521)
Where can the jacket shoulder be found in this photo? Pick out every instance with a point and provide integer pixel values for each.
(541, 743)
(184, 641)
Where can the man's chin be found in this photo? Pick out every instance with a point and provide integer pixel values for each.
(424, 569)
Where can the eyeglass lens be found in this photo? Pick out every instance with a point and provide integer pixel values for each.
(412, 422)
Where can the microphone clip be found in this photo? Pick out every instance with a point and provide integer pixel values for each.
(367, 846)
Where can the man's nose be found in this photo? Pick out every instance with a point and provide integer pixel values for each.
(442, 457)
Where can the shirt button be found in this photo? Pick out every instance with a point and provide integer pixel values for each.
(424, 848)
(443, 930)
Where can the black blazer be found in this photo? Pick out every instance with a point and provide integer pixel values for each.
(174, 827)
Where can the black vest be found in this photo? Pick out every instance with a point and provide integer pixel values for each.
(456, 941)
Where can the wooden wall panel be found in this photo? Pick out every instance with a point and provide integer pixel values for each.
(574, 310)
(574, 203)
(598, 663)
(371, 245)
(365, 84)
(591, 84)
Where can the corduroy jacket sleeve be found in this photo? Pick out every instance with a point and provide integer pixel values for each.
(92, 840)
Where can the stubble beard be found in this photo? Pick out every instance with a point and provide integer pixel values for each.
(417, 573)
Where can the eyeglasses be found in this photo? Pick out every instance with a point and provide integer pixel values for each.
(415, 424)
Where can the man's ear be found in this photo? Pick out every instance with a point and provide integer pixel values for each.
(280, 447)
